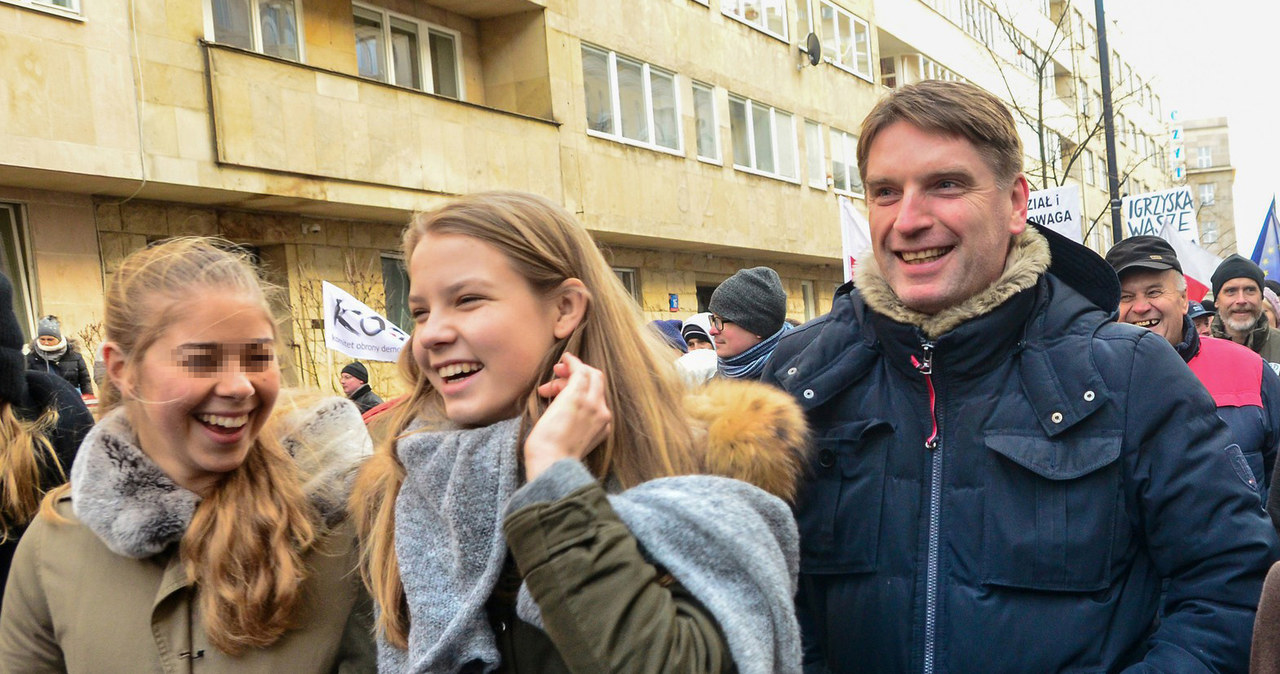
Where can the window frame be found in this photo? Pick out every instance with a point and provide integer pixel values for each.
(76, 11)
(850, 143)
(1204, 157)
(426, 64)
(740, 17)
(390, 313)
(1089, 172)
(854, 21)
(718, 159)
(1208, 190)
(818, 181)
(750, 105)
(255, 29)
(19, 255)
(632, 287)
(615, 102)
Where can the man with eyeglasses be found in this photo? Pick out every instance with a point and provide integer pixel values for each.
(1153, 295)
(748, 317)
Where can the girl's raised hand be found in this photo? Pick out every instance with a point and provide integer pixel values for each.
(577, 419)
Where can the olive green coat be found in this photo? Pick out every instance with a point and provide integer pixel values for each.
(72, 605)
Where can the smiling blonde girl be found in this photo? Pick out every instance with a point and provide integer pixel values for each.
(541, 507)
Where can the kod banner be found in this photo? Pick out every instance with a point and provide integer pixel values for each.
(1148, 214)
(1057, 208)
(353, 328)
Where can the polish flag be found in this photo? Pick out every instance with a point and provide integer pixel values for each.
(855, 235)
(1197, 263)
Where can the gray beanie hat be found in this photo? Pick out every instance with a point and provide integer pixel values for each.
(753, 299)
(49, 327)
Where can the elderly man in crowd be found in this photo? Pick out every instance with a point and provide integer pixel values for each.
(998, 484)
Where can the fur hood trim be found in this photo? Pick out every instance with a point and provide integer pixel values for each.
(138, 511)
(753, 432)
(1028, 260)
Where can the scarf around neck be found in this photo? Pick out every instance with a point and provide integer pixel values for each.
(52, 353)
(732, 545)
(750, 363)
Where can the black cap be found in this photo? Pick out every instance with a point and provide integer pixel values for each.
(1144, 252)
(356, 369)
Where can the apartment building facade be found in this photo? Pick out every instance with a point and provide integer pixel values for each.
(692, 137)
(1211, 178)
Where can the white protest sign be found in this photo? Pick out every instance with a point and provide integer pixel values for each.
(1148, 214)
(1057, 208)
(855, 235)
(352, 328)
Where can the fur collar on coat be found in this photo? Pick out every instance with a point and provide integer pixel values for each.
(138, 511)
(1027, 261)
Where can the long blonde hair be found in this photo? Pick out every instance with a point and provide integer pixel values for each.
(651, 435)
(23, 445)
(243, 548)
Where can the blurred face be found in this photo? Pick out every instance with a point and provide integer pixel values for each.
(730, 338)
(1150, 299)
(481, 331)
(200, 394)
(1239, 304)
(696, 343)
(349, 384)
(46, 340)
(1269, 313)
(1202, 325)
(940, 222)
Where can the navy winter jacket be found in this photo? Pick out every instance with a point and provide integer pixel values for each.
(1008, 497)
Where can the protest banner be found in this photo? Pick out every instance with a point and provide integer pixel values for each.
(1148, 214)
(855, 235)
(1057, 208)
(353, 328)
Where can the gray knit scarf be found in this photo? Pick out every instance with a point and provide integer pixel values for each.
(750, 363)
(733, 546)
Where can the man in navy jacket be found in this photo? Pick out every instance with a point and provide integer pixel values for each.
(1003, 475)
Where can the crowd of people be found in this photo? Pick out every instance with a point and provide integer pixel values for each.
(998, 452)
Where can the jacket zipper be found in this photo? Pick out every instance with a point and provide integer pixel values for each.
(932, 445)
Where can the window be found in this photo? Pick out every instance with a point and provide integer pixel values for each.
(1122, 129)
(1208, 232)
(844, 162)
(810, 304)
(627, 277)
(16, 265)
(1204, 157)
(266, 26)
(1086, 97)
(764, 139)
(704, 113)
(59, 6)
(889, 72)
(1087, 168)
(395, 288)
(769, 16)
(813, 150)
(390, 48)
(1206, 194)
(630, 101)
(846, 39)
(1133, 136)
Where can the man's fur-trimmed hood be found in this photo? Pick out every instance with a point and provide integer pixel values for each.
(1027, 261)
(753, 432)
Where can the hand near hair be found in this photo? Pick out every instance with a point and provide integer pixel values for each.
(577, 419)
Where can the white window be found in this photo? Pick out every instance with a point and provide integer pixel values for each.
(769, 16)
(406, 52)
(629, 280)
(266, 26)
(846, 39)
(816, 164)
(1052, 149)
(630, 101)
(1206, 194)
(704, 113)
(1122, 129)
(764, 139)
(844, 163)
(1086, 98)
(1087, 167)
(56, 6)
(1208, 232)
(1204, 157)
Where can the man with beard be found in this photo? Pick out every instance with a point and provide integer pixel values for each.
(1237, 291)
(1153, 295)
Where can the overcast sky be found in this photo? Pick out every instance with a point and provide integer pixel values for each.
(1217, 59)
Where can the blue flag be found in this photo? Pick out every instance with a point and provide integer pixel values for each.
(1266, 252)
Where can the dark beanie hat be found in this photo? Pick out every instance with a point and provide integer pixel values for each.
(753, 299)
(356, 369)
(1236, 266)
(13, 385)
(670, 331)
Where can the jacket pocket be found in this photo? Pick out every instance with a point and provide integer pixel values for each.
(1052, 510)
(839, 517)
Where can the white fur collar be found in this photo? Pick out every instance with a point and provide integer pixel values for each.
(1028, 259)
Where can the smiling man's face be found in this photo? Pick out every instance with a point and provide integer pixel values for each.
(1151, 299)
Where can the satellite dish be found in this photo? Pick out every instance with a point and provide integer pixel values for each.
(814, 47)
